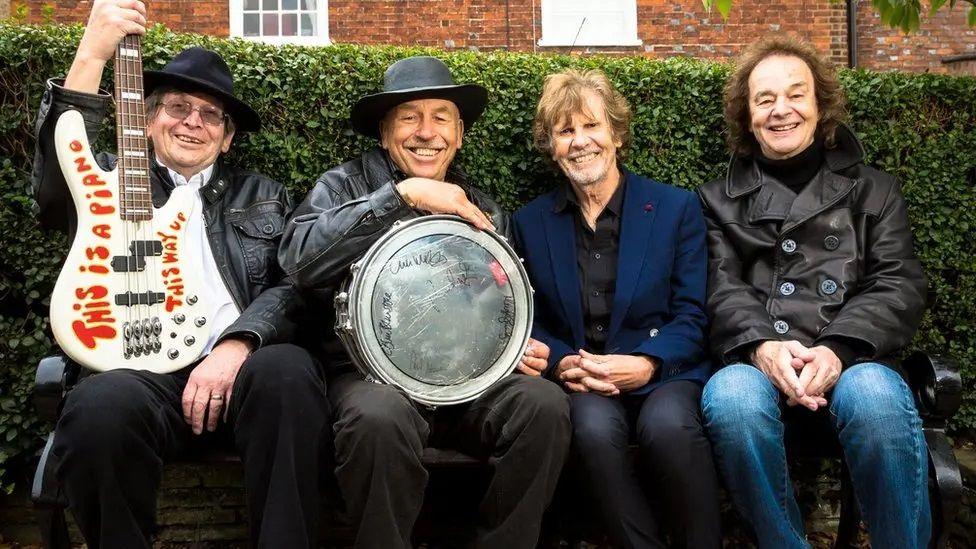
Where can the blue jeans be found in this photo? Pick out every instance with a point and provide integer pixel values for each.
(874, 415)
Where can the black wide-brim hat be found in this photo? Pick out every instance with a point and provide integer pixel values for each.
(200, 70)
(417, 78)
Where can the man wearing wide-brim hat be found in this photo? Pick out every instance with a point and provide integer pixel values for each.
(521, 424)
(118, 427)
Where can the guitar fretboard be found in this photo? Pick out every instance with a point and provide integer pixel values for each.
(130, 116)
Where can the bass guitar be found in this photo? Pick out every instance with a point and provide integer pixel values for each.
(126, 297)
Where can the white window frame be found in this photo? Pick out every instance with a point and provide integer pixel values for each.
(321, 23)
(610, 37)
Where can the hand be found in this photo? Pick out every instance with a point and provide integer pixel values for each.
(109, 22)
(625, 372)
(576, 379)
(780, 360)
(442, 198)
(213, 377)
(535, 358)
(821, 374)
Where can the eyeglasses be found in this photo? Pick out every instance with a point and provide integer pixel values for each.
(181, 109)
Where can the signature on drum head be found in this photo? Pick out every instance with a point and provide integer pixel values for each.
(386, 325)
(427, 257)
(507, 317)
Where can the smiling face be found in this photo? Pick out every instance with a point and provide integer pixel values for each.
(782, 106)
(422, 136)
(583, 144)
(189, 145)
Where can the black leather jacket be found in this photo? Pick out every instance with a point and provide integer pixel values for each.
(350, 208)
(244, 215)
(834, 262)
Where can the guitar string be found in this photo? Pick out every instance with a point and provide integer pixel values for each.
(146, 311)
(123, 198)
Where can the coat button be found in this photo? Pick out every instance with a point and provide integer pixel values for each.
(599, 327)
(268, 229)
(781, 327)
(831, 242)
(828, 286)
(787, 288)
(789, 245)
(653, 332)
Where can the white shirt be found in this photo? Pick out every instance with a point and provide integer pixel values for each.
(198, 252)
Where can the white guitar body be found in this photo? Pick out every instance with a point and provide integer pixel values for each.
(125, 298)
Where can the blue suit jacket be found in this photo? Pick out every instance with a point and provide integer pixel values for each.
(659, 300)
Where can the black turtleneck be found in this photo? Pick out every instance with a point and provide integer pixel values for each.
(795, 172)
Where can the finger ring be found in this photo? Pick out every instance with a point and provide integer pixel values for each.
(216, 397)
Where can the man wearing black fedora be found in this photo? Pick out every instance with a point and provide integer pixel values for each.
(521, 424)
(118, 427)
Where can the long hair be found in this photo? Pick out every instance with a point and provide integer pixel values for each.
(830, 97)
(563, 95)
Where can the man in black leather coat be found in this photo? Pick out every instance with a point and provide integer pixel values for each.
(118, 427)
(521, 424)
(813, 287)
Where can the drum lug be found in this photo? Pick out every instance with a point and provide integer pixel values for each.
(354, 267)
(372, 379)
(341, 298)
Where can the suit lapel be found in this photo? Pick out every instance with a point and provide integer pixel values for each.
(640, 207)
(561, 240)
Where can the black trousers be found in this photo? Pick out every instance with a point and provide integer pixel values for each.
(520, 425)
(119, 427)
(674, 465)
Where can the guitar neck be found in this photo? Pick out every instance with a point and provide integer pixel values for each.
(130, 118)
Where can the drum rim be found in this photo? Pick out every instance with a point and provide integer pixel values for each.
(358, 326)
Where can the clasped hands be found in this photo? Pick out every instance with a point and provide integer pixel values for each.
(607, 375)
(803, 374)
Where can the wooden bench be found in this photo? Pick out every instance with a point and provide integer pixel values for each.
(935, 383)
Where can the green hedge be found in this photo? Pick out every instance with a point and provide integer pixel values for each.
(920, 127)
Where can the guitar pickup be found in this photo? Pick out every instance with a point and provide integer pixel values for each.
(142, 248)
(128, 264)
(136, 260)
(128, 299)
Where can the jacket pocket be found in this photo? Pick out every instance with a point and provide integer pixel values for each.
(258, 229)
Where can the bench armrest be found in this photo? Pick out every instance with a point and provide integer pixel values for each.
(55, 376)
(937, 386)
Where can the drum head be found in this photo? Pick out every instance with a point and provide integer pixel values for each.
(440, 309)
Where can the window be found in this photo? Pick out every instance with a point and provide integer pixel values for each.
(589, 23)
(281, 21)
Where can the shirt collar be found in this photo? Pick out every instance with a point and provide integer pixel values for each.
(198, 180)
(614, 206)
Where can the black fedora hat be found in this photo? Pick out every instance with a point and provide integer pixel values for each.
(199, 70)
(417, 78)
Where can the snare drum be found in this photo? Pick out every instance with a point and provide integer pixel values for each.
(437, 308)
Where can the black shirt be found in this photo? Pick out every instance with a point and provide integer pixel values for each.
(596, 258)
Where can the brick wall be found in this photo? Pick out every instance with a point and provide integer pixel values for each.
(202, 16)
(666, 27)
(202, 505)
(942, 35)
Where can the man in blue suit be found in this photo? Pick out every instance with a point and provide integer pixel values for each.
(618, 266)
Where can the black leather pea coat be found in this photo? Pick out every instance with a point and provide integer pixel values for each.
(244, 214)
(835, 261)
